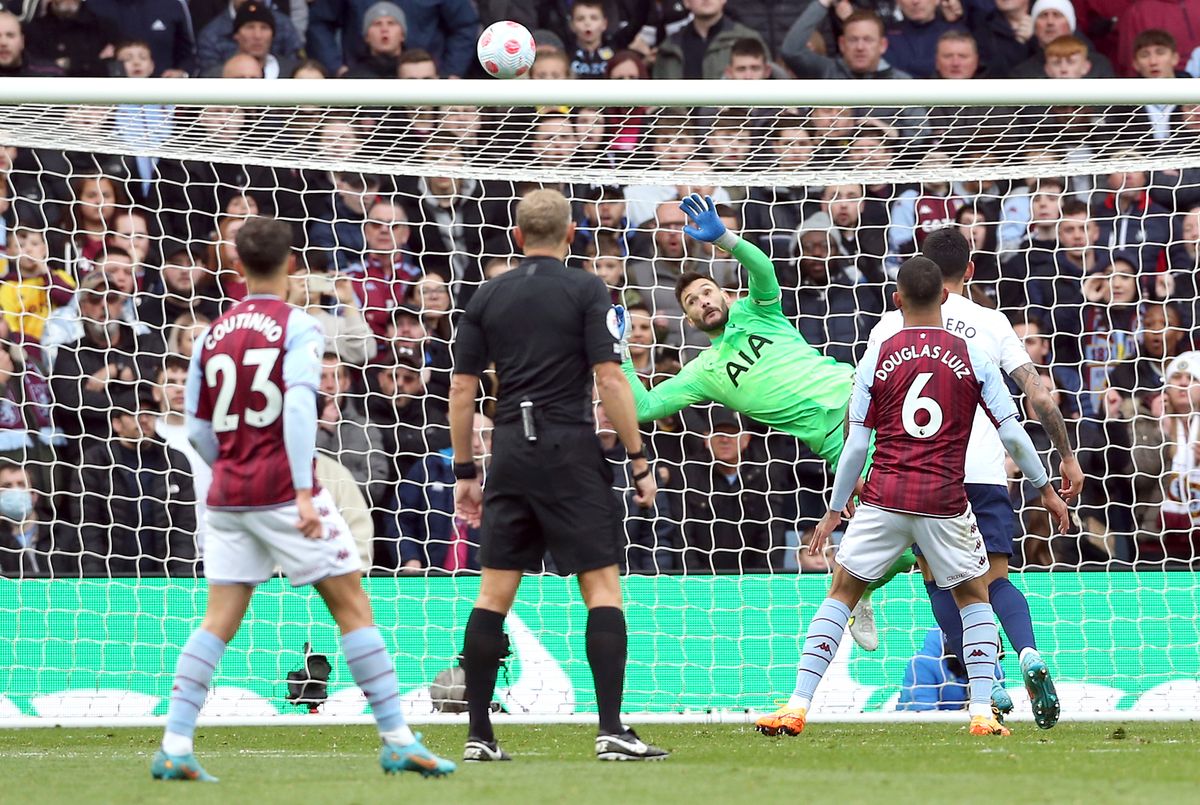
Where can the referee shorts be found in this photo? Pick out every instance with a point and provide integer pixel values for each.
(554, 494)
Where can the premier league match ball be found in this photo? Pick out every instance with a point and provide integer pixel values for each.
(506, 49)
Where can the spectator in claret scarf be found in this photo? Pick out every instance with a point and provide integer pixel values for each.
(387, 271)
(340, 231)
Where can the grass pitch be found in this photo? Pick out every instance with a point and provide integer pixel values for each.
(712, 765)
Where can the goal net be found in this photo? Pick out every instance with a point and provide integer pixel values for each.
(119, 205)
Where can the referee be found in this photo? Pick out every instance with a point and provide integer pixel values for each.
(546, 328)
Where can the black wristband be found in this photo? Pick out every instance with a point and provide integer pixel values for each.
(634, 456)
(640, 475)
(465, 471)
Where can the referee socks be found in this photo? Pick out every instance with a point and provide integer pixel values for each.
(607, 647)
(484, 645)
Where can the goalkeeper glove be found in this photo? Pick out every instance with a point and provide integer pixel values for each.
(707, 225)
(618, 324)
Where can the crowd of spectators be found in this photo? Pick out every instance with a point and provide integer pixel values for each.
(114, 264)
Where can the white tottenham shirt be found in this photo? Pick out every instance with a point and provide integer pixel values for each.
(989, 331)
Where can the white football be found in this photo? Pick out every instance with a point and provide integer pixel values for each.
(506, 49)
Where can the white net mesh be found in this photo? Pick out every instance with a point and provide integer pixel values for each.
(119, 224)
(756, 146)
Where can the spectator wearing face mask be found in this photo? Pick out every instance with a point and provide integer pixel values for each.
(26, 540)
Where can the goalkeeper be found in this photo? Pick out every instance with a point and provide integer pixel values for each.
(759, 364)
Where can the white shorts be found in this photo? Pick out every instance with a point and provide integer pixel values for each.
(875, 538)
(245, 547)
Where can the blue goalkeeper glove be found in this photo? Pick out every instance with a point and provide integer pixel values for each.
(703, 212)
(618, 324)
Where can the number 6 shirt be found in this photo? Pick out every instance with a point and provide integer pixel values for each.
(919, 390)
(987, 330)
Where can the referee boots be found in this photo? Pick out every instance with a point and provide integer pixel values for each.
(480, 751)
(627, 746)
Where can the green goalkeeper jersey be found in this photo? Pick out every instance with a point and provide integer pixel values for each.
(762, 367)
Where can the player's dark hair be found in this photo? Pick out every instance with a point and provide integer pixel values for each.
(263, 246)
(920, 282)
(749, 46)
(949, 249)
(686, 279)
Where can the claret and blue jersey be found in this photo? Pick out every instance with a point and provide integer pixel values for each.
(242, 366)
(919, 390)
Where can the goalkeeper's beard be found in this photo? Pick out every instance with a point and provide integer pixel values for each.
(716, 324)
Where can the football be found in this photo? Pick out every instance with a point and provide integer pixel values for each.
(506, 49)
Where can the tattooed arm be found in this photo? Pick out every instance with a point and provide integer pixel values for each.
(1047, 413)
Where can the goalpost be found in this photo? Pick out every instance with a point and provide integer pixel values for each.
(1045, 177)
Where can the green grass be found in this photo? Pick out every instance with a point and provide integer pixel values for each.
(712, 765)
